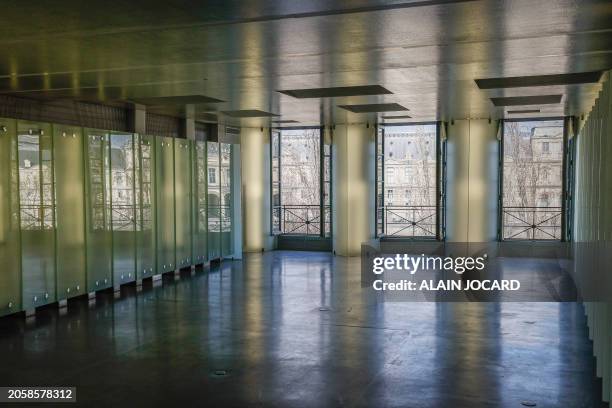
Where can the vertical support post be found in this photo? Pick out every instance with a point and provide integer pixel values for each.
(353, 182)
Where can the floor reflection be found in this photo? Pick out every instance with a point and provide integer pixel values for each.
(296, 329)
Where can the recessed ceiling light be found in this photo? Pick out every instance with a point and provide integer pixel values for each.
(540, 80)
(512, 112)
(177, 100)
(285, 121)
(397, 117)
(526, 100)
(374, 107)
(249, 113)
(338, 91)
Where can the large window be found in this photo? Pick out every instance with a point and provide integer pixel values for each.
(301, 177)
(408, 181)
(532, 188)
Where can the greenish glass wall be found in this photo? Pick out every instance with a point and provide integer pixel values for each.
(10, 259)
(227, 238)
(123, 207)
(164, 180)
(145, 206)
(183, 207)
(214, 200)
(200, 221)
(98, 233)
(36, 213)
(70, 211)
(83, 210)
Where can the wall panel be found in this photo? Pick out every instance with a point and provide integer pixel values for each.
(227, 199)
(183, 200)
(98, 232)
(214, 201)
(10, 259)
(123, 207)
(593, 228)
(145, 206)
(199, 226)
(82, 210)
(70, 211)
(164, 178)
(36, 213)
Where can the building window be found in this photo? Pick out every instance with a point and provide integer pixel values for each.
(414, 173)
(532, 183)
(212, 176)
(301, 182)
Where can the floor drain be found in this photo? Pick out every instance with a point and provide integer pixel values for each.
(528, 403)
(324, 309)
(220, 373)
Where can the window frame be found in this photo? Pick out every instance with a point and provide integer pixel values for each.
(440, 156)
(322, 163)
(567, 163)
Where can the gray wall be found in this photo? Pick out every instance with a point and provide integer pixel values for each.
(593, 226)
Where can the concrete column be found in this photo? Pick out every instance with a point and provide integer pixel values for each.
(255, 158)
(189, 122)
(139, 119)
(353, 181)
(472, 180)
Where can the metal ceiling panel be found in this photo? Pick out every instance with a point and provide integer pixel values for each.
(338, 91)
(427, 52)
(527, 100)
(177, 100)
(540, 80)
(248, 113)
(374, 107)
(397, 117)
(523, 111)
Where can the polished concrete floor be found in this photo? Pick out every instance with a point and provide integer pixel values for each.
(295, 329)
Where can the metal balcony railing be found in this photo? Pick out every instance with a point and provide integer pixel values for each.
(532, 223)
(36, 217)
(410, 221)
(302, 219)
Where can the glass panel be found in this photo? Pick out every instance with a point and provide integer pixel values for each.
(407, 181)
(276, 186)
(10, 274)
(145, 206)
(300, 212)
(227, 241)
(98, 210)
(533, 179)
(123, 202)
(37, 213)
(200, 225)
(182, 191)
(214, 201)
(380, 184)
(327, 163)
(69, 175)
(164, 152)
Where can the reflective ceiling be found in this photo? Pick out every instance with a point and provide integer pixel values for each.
(427, 53)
